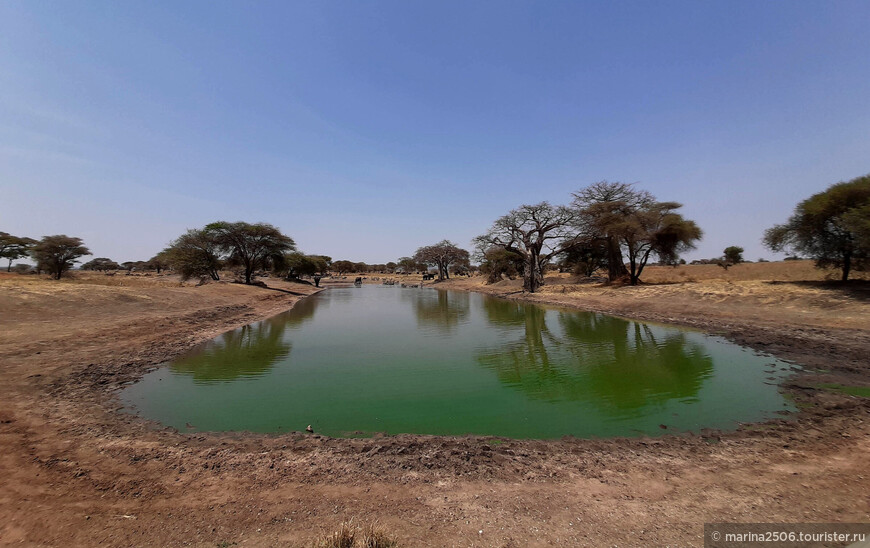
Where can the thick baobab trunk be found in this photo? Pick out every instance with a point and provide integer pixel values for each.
(615, 264)
(533, 277)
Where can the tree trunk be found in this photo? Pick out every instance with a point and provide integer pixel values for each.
(615, 264)
(847, 266)
(532, 276)
(528, 275)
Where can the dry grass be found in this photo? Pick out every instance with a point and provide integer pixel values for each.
(350, 535)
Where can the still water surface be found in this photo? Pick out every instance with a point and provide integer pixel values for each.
(356, 361)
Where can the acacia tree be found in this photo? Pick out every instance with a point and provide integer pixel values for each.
(57, 254)
(498, 261)
(586, 255)
(14, 247)
(409, 265)
(100, 264)
(733, 254)
(832, 227)
(535, 232)
(651, 228)
(195, 253)
(631, 221)
(442, 256)
(159, 262)
(341, 267)
(250, 245)
(598, 209)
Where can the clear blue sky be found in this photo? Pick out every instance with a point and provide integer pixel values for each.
(367, 129)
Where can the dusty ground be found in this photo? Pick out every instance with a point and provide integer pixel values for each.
(75, 471)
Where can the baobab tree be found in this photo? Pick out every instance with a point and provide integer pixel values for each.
(535, 232)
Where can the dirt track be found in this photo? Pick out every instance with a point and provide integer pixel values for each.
(77, 472)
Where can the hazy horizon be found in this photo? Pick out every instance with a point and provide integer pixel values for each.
(365, 131)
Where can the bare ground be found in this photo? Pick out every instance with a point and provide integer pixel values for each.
(76, 471)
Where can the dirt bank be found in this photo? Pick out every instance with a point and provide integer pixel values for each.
(77, 472)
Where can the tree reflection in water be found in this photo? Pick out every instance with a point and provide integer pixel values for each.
(249, 351)
(442, 311)
(619, 364)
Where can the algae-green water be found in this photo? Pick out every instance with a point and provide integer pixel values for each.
(362, 360)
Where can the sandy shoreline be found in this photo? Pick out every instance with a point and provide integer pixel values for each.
(78, 472)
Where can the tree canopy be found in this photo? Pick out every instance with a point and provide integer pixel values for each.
(632, 222)
(442, 256)
(57, 254)
(195, 253)
(733, 254)
(14, 247)
(250, 245)
(535, 232)
(832, 227)
(100, 264)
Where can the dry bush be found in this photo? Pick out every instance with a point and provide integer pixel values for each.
(350, 536)
(343, 538)
(375, 537)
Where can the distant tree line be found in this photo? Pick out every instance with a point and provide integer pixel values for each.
(608, 226)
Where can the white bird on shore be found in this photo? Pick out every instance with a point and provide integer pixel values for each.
(309, 429)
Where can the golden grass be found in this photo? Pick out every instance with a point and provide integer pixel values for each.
(350, 535)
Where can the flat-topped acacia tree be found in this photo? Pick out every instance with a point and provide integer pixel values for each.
(442, 256)
(57, 254)
(832, 227)
(250, 245)
(14, 247)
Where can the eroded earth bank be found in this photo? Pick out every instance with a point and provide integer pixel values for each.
(77, 471)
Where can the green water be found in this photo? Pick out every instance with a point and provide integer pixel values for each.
(357, 361)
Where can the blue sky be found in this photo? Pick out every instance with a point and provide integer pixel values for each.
(367, 129)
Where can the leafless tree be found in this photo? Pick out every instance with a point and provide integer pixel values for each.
(536, 232)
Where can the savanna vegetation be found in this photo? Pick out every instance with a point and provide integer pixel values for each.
(606, 223)
(831, 227)
(611, 228)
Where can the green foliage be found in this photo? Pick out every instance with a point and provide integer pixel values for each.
(342, 267)
(251, 246)
(498, 262)
(100, 264)
(442, 256)
(599, 209)
(295, 264)
(585, 256)
(159, 262)
(860, 391)
(57, 254)
(408, 265)
(195, 253)
(202, 252)
(634, 223)
(14, 247)
(832, 227)
(733, 254)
